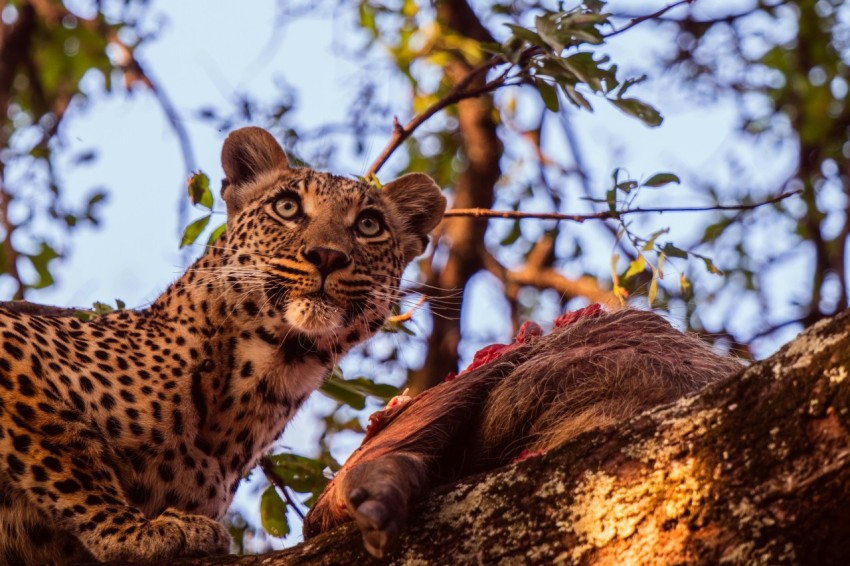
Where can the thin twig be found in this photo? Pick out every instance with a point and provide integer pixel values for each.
(606, 214)
(459, 92)
(456, 94)
(136, 73)
(640, 19)
(265, 465)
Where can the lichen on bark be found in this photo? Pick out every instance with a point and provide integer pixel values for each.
(752, 469)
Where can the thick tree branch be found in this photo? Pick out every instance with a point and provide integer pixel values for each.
(551, 278)
(750, 470)
(474, 188)
(14, 53)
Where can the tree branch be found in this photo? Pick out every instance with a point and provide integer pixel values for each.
(640, 19)
(752, 469)
(473, 188)
(607, 214)
(14, 53)
(266, 466)
(457, 93)
(540, 276)
(135, 73)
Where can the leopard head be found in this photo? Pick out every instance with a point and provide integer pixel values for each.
(321, 254)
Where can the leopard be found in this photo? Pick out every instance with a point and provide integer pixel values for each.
(124, 437)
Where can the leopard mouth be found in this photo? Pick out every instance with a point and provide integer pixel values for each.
(315, 313)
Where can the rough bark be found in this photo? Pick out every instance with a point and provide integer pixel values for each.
(754, 469)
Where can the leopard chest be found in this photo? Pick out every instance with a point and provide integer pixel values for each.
(229, 423)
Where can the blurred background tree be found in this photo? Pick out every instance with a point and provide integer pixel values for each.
(514, 83)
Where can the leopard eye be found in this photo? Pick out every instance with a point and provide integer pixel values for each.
(369, 225)
(288, 207)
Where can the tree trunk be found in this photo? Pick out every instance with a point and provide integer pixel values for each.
(474, 188)
(755, 469)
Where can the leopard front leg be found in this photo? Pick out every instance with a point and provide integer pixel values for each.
(67, 477)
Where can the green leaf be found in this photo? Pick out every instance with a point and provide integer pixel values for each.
(710, 267)
(301, 474)
(353, 392)
(650, 242)
(336, 389)
(672, 251)
(714, 231)
(199, 190)
(513, 235)
(273, 513)
(548, 31)
(193, 230)
(611, 198)
(629, 83)
(641, 110)
(685, 286)
(661, 179)
(237, 526)
(548, 94)
(627, 186)
(576, 97)
(393, 327)
(96, 198)
(368, 20)
(41, 264)
(653, 289)
(101, 308)
(588, 70)
(367, 386)
(216, 234)
(527, 35)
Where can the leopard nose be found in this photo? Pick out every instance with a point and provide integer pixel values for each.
(326, 259)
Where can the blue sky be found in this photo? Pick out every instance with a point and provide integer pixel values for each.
(205, 52)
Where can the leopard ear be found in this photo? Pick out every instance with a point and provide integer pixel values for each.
(420, 204)
(247, 154)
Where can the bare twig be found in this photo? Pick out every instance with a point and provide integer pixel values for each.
(135, 73)
(774, 327)
(456, 94)
(608, 214)
(459, 91)
(265, 465)
(640, 19)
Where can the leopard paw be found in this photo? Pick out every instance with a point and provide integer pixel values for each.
(203, 536)
(172, 534)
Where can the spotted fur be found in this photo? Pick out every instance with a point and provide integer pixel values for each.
(124, 437)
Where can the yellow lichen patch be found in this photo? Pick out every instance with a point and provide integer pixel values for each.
(811, 343)
(836, 375)
(673, 425)
(606, 509)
